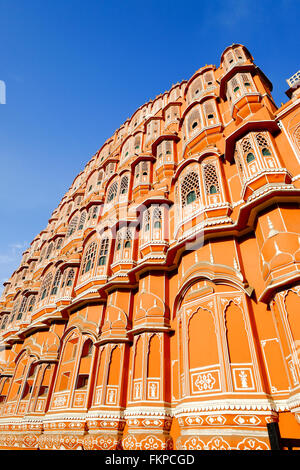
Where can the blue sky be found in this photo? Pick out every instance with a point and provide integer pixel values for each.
(75, 70)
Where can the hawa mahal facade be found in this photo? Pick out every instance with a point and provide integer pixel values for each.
(159, 308)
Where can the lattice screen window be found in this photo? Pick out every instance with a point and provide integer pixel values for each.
(82, 220)
(174, 94)
(31, 303)
(296, 136)
(118, 240)
(124, 185)
(210, 178)
(239, 53)
(137, 143)
(112, 192)
(70, 277)
(159, 153)
(59, 243)
(4, 322)
(230, 58)
(89, 258)
(190, 188)
(146, 220)
(46, 286)
(22, 308)
(15, 310)
(103, 251)
(247, 150)
(156, 217)
(239, 163)
(208, 78)
(94, 212)
(247, 80)
(49, 250)
(194, 120)
(100, 178)
(56, 282)
(72, 226)
(43, 253)
(127, 238)
(109, 169)
(235, 86)
(144, 168)
(263, 144)
(168, 147)
(196, 88)
(209, 109)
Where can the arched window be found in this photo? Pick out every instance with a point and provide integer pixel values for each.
(263, 144)
(127, 238)
(103, 251)
(112, 192)
(194, 121)
(59, 243)
(210, 178)
(46, 286)
(82, 220)
(196, 88)
(209, 111)
(191, 197)
(89, 258)
(70, 277)
(56, 282)
(208, 78)
(124, 185)
(72, 226)
(156, 217)
(250, 157)
(296, 135)
(100, 178)
(4, 322)
(137, 143)
(22, 308)
(31, 302)
(190, 189)
(49, 250)
(94, 212)
(146, 220)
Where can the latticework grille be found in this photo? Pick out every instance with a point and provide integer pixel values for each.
(89, 258)
(210, 178)
(190, 183)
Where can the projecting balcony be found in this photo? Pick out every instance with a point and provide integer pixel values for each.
(195, 217)
(201, 135)
(264, 177)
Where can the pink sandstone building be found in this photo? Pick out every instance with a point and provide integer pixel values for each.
(159, 308)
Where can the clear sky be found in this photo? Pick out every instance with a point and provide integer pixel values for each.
(75, 70)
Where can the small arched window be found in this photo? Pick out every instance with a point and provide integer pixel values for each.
(46, 286)
(49, 251)
(70, 277)
(156, 217)
(82, 220)
(250, 157)
(191, 197)
(31, 303)
(72, 226)
(56, 282)
(22, 308)
(112, 192)
(190, 188)
(103, 251)
(89, 258)
(124, 185)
